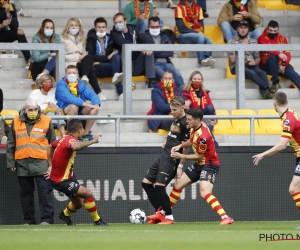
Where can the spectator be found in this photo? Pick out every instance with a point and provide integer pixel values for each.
(161, 96)
(74, 40)
(8, 19)
(107, 59)
(43, 61)
(138, 12)
(45, 97)
(190, 27)
(170, 4)
(142, 62)
(252, 59)
(26, 153)
(74, 98)
(196, 96)
(277, 63)
(235, 11)
(20, 11)
(162, 60)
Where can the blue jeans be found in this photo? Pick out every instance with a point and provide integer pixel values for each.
(196, 38)
(56, 123)
(107, 69)
(210, 110)
(142, 25)
(50, 66)
(229, 32)
(161, 67)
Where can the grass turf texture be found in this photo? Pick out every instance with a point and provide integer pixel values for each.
(240, 235)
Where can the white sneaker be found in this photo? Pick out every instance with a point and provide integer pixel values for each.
(102, 96)
(85, 79)
(27, 65)
(208, 62)
(22, 13)
(121, 97)
(170, 4)
(118, 77)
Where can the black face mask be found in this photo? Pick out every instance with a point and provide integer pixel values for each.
(272, 35)
(142, 1)
(242, 37)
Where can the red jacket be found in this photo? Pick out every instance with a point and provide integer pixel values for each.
(280, 39)
(204, 100)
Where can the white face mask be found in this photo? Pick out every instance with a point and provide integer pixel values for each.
(73, 32)
(72, 77)
(100, 35)
(154, 32)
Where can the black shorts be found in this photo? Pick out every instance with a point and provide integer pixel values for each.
(205, 172)
(297, 169)
(69, 187)
(163, 170)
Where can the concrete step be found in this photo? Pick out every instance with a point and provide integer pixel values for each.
(12, 73)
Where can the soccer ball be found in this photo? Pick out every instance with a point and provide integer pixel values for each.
(137, 216)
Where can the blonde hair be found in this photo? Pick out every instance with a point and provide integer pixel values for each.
(81, 36)
(177, 101)
(188, 85)
(42, 79)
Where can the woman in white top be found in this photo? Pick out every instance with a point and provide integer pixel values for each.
(74, 40)
(45, 96)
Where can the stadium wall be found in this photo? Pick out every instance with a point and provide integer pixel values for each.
(247, 192)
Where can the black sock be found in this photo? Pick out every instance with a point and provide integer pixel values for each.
(152, 195)
(164, 199)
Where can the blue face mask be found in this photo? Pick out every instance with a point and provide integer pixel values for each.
(73, 32)
(120, 27)
(72, 77)
(243, 2)
(190, 1)
(48, 32)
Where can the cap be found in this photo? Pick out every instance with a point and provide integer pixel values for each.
(243, 23)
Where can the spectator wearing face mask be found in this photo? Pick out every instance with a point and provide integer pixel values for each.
(161, 96)
(73, 38)
(43, 61)
(277, 63)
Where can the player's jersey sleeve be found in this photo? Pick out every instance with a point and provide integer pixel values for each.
(202, 144)
(288, 125)
(70, 142)
(186, 131)
(54, 144)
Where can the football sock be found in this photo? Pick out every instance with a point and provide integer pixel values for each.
(152, 195)
(164, 199)
(69, 209)
(215, 205)
(174, 196)
(91, 207)
(296, 198)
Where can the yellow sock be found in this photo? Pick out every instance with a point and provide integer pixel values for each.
(70, 209)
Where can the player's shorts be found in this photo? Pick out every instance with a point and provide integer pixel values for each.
(205, 172)
(69, 187)
(297, 169)
(163, 170)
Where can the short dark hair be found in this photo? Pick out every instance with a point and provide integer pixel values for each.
(167, 72)
(119, 14)
(100, 20)
(196, 113)
(71, 67)
(280, 98)
(74, 125)
(154, 19)
(273, 24)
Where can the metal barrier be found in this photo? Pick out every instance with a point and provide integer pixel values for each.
(156, 117)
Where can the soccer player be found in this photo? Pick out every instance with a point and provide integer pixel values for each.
(165, 167)
(290, 133)
(61, 157)
(204, 169)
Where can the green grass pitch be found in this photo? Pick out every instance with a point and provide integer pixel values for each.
(202, 235)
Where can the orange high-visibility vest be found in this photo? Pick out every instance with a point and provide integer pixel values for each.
(34, 146)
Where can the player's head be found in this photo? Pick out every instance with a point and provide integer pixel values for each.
(194, 117)
(75, 128)
(280, 100)
(177, 107)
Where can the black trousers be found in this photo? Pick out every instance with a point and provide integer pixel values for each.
(46, 202)
(37, 68)
(9, 36)
(86, 67)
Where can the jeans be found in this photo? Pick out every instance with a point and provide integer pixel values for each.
(50, 66)
(142, 25)
(144, 63)
(161, 67)
(56, 123)
(271, 67)
(107, 69)
(196, 38)
(229, 32)
(256, 75)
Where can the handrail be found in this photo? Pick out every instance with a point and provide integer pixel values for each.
(119, 118)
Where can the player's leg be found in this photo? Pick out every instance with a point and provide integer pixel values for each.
(295, 189)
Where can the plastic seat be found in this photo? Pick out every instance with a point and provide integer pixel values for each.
(161, 132)
(244, 124)
(280, 5)
(273, 126)
(6, 112)
(141, 78)
(215, 34)
(224, 126)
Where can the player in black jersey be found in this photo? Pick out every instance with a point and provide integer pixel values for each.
(165, 167)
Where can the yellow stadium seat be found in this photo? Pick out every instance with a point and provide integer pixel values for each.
(280, 5)
(273, 126)
(134, 79)
(244, 124)
(161, 132)
(6, 112)
(215, 34)
(229, 75)
(261, 3)
(224, 126)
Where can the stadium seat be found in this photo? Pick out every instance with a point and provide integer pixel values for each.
(273, 126)
(280, 5)
(224, 126)
(161, 132)
(215, 34)
(244, 124)
(134, 79)
(9, 112)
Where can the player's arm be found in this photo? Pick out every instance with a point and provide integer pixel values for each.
(79, 145)
(185, 144)
(50, 152)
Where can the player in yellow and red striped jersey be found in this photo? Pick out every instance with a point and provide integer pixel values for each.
(290, 134)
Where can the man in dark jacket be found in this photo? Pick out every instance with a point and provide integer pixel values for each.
(142, 62)
(107, 60)
(162, 60)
